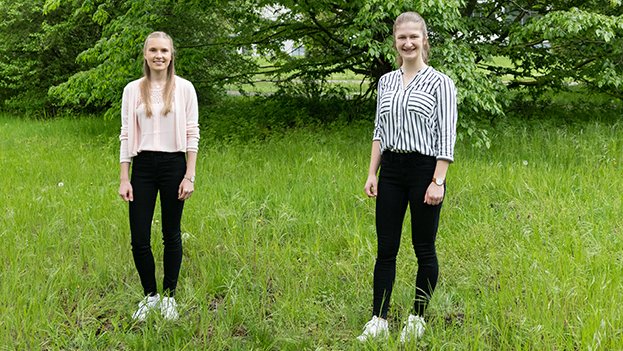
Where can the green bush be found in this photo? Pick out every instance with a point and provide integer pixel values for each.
(575, 105)
(245, 118)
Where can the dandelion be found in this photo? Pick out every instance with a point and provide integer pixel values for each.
(525, 162)
(61, 184)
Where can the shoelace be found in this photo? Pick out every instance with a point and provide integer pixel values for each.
(373, 322)
(142, 309)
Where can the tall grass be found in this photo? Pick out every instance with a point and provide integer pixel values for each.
(279, 243)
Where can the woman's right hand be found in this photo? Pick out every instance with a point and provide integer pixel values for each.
(371, 186)
(125, 191)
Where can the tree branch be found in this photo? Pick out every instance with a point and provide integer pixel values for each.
(322, 28)
(469, 8)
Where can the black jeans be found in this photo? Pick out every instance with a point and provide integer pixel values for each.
(403, 181)
(153, 173)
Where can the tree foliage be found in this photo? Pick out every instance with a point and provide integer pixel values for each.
(82, 52)
(197, 28)
(549, 44)
(97, 46)
(583, 46)
(38, 50)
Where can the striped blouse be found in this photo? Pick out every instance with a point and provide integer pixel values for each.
(420, 117)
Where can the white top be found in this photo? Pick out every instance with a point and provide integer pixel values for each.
(157, 133)
(419, 117)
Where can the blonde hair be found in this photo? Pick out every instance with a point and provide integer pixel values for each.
(415, 18)
(145, 84)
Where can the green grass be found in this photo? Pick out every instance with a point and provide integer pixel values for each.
(279, 243)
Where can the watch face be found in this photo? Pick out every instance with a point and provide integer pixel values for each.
(439, 182)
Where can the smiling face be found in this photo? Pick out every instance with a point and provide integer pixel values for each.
(410, 41)
(158, 53)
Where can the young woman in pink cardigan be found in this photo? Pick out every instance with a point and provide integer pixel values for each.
(159, 139)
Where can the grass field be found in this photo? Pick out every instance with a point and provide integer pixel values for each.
(280, 244)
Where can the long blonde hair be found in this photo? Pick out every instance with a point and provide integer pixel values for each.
(169, 87)
(416, 18)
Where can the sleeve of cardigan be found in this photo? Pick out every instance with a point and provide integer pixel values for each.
(192, 119)
(124, 152)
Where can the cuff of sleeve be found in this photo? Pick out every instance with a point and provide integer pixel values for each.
(446, 158)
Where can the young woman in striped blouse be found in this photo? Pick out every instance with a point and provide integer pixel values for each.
(413, 143)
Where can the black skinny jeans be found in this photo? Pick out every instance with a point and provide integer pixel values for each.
(153, 173)
(403, 180)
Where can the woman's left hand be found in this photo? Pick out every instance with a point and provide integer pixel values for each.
(185, 190)
(434, 194)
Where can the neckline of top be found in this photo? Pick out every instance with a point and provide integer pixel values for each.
(402, 71)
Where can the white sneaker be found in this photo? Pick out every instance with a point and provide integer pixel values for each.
(375, 328)
(147, 304)
(168, 308)
(414, 326)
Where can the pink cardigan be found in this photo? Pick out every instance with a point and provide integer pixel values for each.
(186, 118)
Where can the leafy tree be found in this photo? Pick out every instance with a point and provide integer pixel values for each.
(356, 36)
(38, 50)
(86, 50)
(549, 44)
(582, 44)
(80, 53)
(197, 28)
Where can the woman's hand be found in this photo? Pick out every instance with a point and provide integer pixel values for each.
(371, 187)
(125, 191)
(434, 194)
(185, 190)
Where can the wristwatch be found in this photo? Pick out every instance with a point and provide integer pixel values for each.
(191, 179)
(439, 181)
